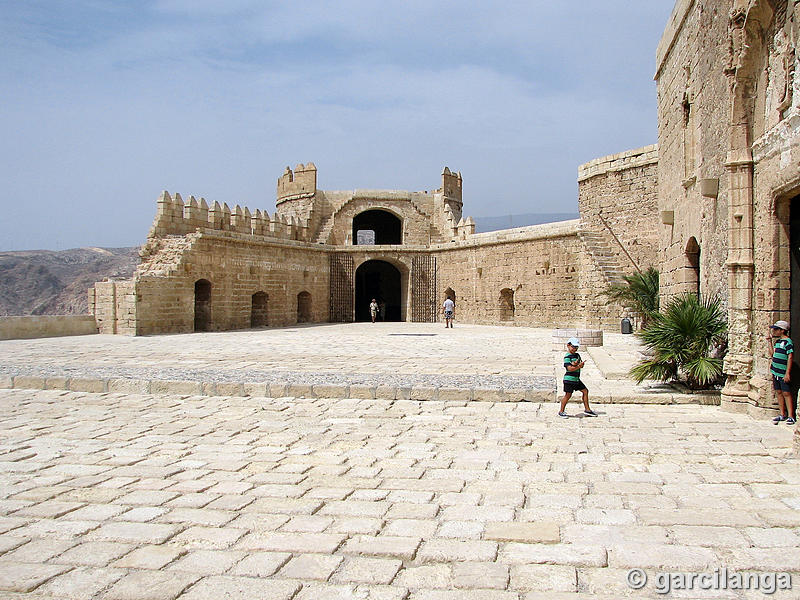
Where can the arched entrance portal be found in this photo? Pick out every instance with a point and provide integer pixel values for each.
(380, 280)
(202, 305)
(378, 227)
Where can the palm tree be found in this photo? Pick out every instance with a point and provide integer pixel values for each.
(639, 293)
(681, 340)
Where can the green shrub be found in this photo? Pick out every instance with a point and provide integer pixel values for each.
(639, 293)
(681, 340)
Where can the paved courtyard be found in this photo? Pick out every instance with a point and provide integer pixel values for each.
(377, 354)
(124, 496)
(135, 496)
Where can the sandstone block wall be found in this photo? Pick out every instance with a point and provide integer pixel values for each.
(693, 138)
(527, 276)
(618, 198)
(113, 304)
(237, 267)
(41, 326)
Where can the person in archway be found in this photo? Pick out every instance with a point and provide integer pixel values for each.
(449, 308)
(382, 310)
(373, 309)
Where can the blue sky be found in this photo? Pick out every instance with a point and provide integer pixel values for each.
(106, 103)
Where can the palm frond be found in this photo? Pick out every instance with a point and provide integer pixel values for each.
(683, 336)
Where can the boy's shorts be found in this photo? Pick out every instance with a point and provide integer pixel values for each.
(779, 384)
(448, 314)
(573, 386)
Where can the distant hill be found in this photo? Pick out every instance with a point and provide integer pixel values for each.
(484, 224)
(46, 282)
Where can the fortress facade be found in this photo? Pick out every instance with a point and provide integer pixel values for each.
(323, 255)
(715, 206)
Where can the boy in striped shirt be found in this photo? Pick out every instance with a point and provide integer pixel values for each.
(781, 369)
(572, 379)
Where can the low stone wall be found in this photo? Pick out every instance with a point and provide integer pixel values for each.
(41, 326)
(587, 337)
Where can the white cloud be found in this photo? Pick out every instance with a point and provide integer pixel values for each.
(215, 98)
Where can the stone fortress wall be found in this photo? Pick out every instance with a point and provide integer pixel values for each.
(544, 275)
(617, 200)
(729, 173)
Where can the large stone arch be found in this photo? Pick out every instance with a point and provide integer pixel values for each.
(386, 225)
(382, 280)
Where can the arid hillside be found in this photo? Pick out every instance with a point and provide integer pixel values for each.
(45, 282)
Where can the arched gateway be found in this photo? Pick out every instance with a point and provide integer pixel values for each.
(380, 280)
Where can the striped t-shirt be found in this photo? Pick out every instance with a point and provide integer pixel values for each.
(572, 358)
(780, 357)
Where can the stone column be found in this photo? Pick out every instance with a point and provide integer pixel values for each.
(738, 365)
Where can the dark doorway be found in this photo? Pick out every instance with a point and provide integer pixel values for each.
(380, 280)
(387, 228)
(202, 305)
(507, 304)
(303, 307)
(794, 296)
(258, 310)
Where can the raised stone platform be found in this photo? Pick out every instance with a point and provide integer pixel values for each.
(393, 361)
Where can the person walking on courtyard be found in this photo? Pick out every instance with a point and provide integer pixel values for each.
(382, 310)
(781, 369)
(449, 308)
(373, 309)
(572, 379)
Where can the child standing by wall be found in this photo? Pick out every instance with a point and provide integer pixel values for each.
(781, 368)
(572, 379)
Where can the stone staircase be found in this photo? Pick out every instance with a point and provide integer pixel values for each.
(163, 257)
(600, 251)
(325, 229)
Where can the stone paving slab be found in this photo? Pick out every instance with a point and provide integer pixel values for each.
(109, 496)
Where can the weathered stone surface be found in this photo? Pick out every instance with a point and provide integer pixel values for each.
(554, 554)
(389, 546)
(150, 585)
(359, 569)
(24, 577)
(241, 588)
(522, 532)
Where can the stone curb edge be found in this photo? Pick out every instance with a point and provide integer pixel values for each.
(283, 390)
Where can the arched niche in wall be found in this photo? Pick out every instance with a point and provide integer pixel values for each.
(303, 307)
(202, 305)
(506, 304)
(258, 310)
(692, 268)
(380, 227)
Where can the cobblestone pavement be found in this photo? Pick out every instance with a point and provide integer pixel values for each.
(390, 354)
(123, 497)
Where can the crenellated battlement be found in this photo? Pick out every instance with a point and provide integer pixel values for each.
(176, 217)
(300, 183)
